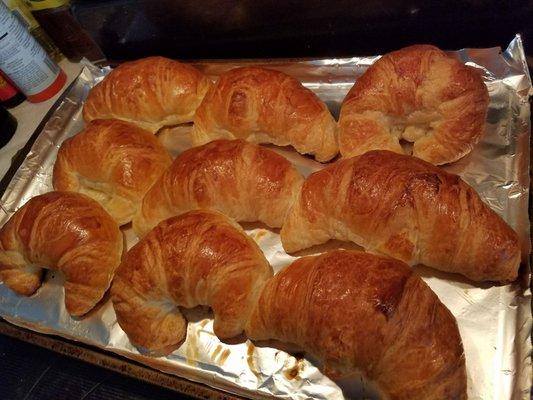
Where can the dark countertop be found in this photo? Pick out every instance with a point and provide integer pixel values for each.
(31, 372)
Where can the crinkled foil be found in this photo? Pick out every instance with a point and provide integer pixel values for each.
(494, 321)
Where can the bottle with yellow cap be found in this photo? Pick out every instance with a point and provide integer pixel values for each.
(55, 16)
(22, 11)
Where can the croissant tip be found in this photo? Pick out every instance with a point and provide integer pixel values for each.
(77, 312)
(159, 352)
(27, 288)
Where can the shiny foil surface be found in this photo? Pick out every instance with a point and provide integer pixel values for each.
(494, 321)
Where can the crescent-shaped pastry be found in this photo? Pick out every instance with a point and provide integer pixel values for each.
(62, 231)
(113, 162)
(198, 258)
(242, 180)
(151, 93)
(360, 312)
(408, 209)
(266, 106)
(420, 95)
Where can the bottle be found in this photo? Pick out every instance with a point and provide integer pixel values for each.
(8, 126)
(9, 95)
(25, 62)
(56, 18)
(22, 11)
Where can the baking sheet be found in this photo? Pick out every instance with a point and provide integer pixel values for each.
(494, 321)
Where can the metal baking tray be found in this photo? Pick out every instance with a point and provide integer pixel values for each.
(494, 321)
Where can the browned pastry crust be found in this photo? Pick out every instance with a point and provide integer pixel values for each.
(266, 106)
(64, 231)
(113, 162)
(151, 93)
(198, 258)
(242, 180)
(406, 208)
(357, 311)
(418, 94)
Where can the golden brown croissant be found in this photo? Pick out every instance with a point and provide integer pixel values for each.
(151, 93)
(64, 231)
(113, 162)
(198, 258)
(266, 106)
(420, 95)
(406, 208)
(242, 180)
(357, 311)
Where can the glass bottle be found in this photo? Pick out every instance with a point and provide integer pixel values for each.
(56, 17)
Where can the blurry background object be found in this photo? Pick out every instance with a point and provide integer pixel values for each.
(188, 29)
(56, 18)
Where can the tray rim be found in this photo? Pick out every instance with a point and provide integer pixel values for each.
(128, 367)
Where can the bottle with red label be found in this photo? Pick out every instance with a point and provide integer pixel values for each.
(9, 95)
(25, 62)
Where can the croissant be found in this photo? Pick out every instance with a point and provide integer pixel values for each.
(113, 162)
(357, 311)
(408, 209)
(420, 95)
(151, 93)
(63, 231)
(198, 258)
(242, 180)
(266, 106)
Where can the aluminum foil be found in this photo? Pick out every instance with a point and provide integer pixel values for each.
(494, 321)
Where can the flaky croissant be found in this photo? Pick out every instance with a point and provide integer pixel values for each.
(198, 258)
(406, 208)
(63, 231)
(113, 162)
(265, 106)
(151, 93)
(417, 94)
(357, 311)
(242, 180)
